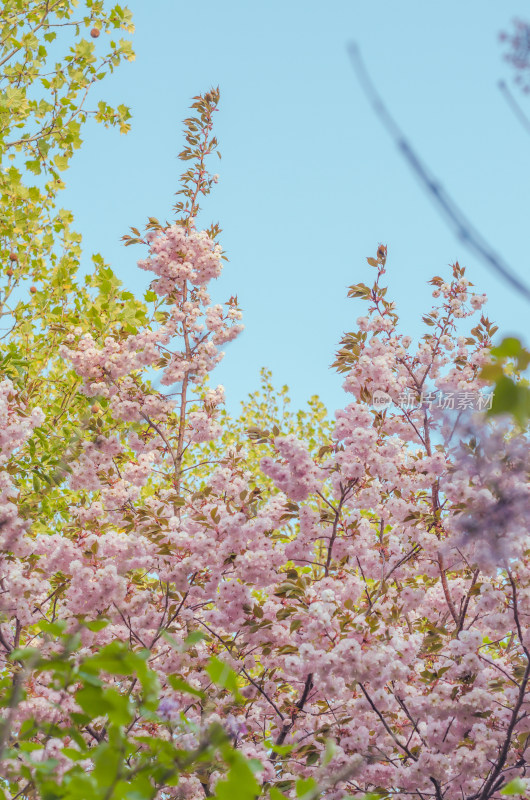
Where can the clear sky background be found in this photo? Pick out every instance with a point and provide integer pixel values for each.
(310, 183)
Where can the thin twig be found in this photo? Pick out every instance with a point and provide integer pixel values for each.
(514, 105)
(455, 217)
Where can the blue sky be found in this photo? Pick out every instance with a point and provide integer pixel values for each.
(310, 183)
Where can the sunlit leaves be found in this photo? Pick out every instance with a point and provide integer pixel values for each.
(511, 394)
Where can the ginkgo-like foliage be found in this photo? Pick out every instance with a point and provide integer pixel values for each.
(310, 610)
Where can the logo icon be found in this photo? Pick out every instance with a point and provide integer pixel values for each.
(381, 400)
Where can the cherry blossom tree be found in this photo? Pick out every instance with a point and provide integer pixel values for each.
(312, 610)
(359, 627)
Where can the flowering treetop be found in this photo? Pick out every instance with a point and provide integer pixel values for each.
(354, 617)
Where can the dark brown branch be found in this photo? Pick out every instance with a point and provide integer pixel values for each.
(465, 604)
(280, 739)
(386, 726)
(493, 783)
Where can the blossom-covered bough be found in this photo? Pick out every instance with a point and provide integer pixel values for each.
(355, 619)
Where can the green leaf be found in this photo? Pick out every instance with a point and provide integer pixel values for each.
(180, 685)
(193, 638)
(105, 703)
(55, 628)
(190, 641)
(275, 794)
(305, 786)
(223, 675)
(61, 162)
(508, 348)
(96, 625)
(240, 783)
(491, 372)
(92, 700)
(331, 748)
(25, 654)
(34, 166)
(282, 749)
(517, 786)
(115, 658)
(511, 398)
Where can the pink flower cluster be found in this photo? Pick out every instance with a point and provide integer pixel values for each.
(376, 597)
(490, 481)
(518, 54)
(185, 346)
(296, 475)
(16, 426)
(179, 255)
